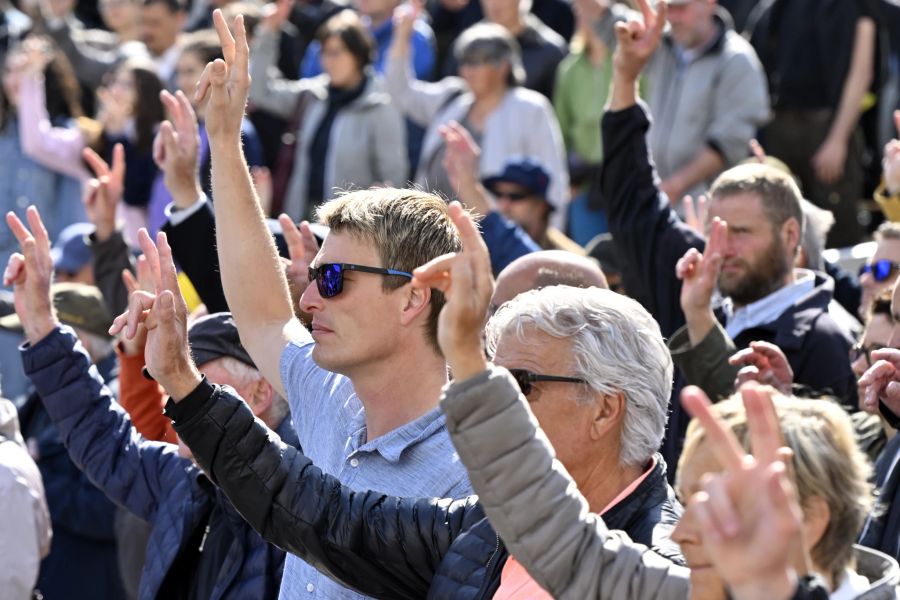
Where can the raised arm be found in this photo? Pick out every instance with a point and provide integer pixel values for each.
(529, 498)
(269, 89)
(57, 148)
(246, 250)
(418, 100)
(647, 232)
(96, 431)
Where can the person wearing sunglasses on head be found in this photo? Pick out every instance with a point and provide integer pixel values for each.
(520, 192)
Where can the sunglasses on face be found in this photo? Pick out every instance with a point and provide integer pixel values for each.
(881, 270)
(329, 277)
(525, 378)
(861, 349)
(511, 196)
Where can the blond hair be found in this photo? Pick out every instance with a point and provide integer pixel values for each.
(407, 227)
(827, 464)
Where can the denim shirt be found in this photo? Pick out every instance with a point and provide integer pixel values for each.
(416, 459)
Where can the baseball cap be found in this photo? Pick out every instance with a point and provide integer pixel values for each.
(71, 253)
(78, 305)
(522, 171)
(215, 336)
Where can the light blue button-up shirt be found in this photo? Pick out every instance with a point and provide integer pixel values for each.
(416, 459)
(766, 310)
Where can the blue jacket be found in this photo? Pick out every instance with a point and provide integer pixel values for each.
(147, 478)
(82, 561)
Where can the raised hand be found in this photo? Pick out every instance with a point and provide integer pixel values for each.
(103, 193)
(176, 148)
(696, 214)
(225, 84)
(404, 18)
(829, 160)
(31, 273)
(881, 382)
(462, 155)
(636, 41)
(764, 363)
(467, 283)
(302, 248)
(275, 14)
(164, 313)
(699, 273)
(749, 515)
(143, 282)
(758, 152)
(891, 162)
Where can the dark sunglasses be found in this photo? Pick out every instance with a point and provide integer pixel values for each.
(512, 196)
(861, 349)
(881, 270)
(329, 277)
(525, 378)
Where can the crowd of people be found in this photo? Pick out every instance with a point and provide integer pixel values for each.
(457, 299)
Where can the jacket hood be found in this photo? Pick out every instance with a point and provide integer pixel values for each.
(9, 422)
(880, 569)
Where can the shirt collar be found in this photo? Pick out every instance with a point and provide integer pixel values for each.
(392, 444)
(767, 309)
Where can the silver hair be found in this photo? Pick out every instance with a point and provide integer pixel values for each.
(616, 347)
(494, 41)
(244, 376)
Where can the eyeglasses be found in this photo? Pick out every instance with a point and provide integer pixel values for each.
(881, 270)
(860, 349)
(525, 378)
(511, 196)
(329, 277)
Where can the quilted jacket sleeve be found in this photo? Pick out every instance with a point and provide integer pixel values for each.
(382, 546)
(101, 440)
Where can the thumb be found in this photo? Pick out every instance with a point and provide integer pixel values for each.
(166, 310)
(169, 138)
(218, 77)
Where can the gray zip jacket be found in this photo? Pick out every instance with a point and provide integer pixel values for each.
(535, 506)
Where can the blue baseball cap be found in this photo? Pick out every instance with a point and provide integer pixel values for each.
(71, 252)
(525, 172)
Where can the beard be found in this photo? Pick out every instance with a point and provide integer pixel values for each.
(762, 276)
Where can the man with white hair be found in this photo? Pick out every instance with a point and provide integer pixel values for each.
(596, 372)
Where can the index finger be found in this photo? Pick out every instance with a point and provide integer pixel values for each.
(762, 423)
(187, 118)
(724, 443)
(891, 355)
(897, 121)
(18, 228)
(718, 233)
(292, 237)
(152, 256)
(95, 162)
(117, 173)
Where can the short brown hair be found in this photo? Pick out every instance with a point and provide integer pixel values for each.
(407, 227)
(777, 191)
(827, 464)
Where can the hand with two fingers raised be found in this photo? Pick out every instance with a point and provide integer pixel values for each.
(466, 280)
(164, 314)
(30, 272)
(103, 193)
(748, 516)
(225, 84)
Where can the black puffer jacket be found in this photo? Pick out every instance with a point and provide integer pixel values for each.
(382, 546)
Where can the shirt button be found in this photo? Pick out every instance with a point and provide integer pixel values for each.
(310, 588)
(354, 462)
